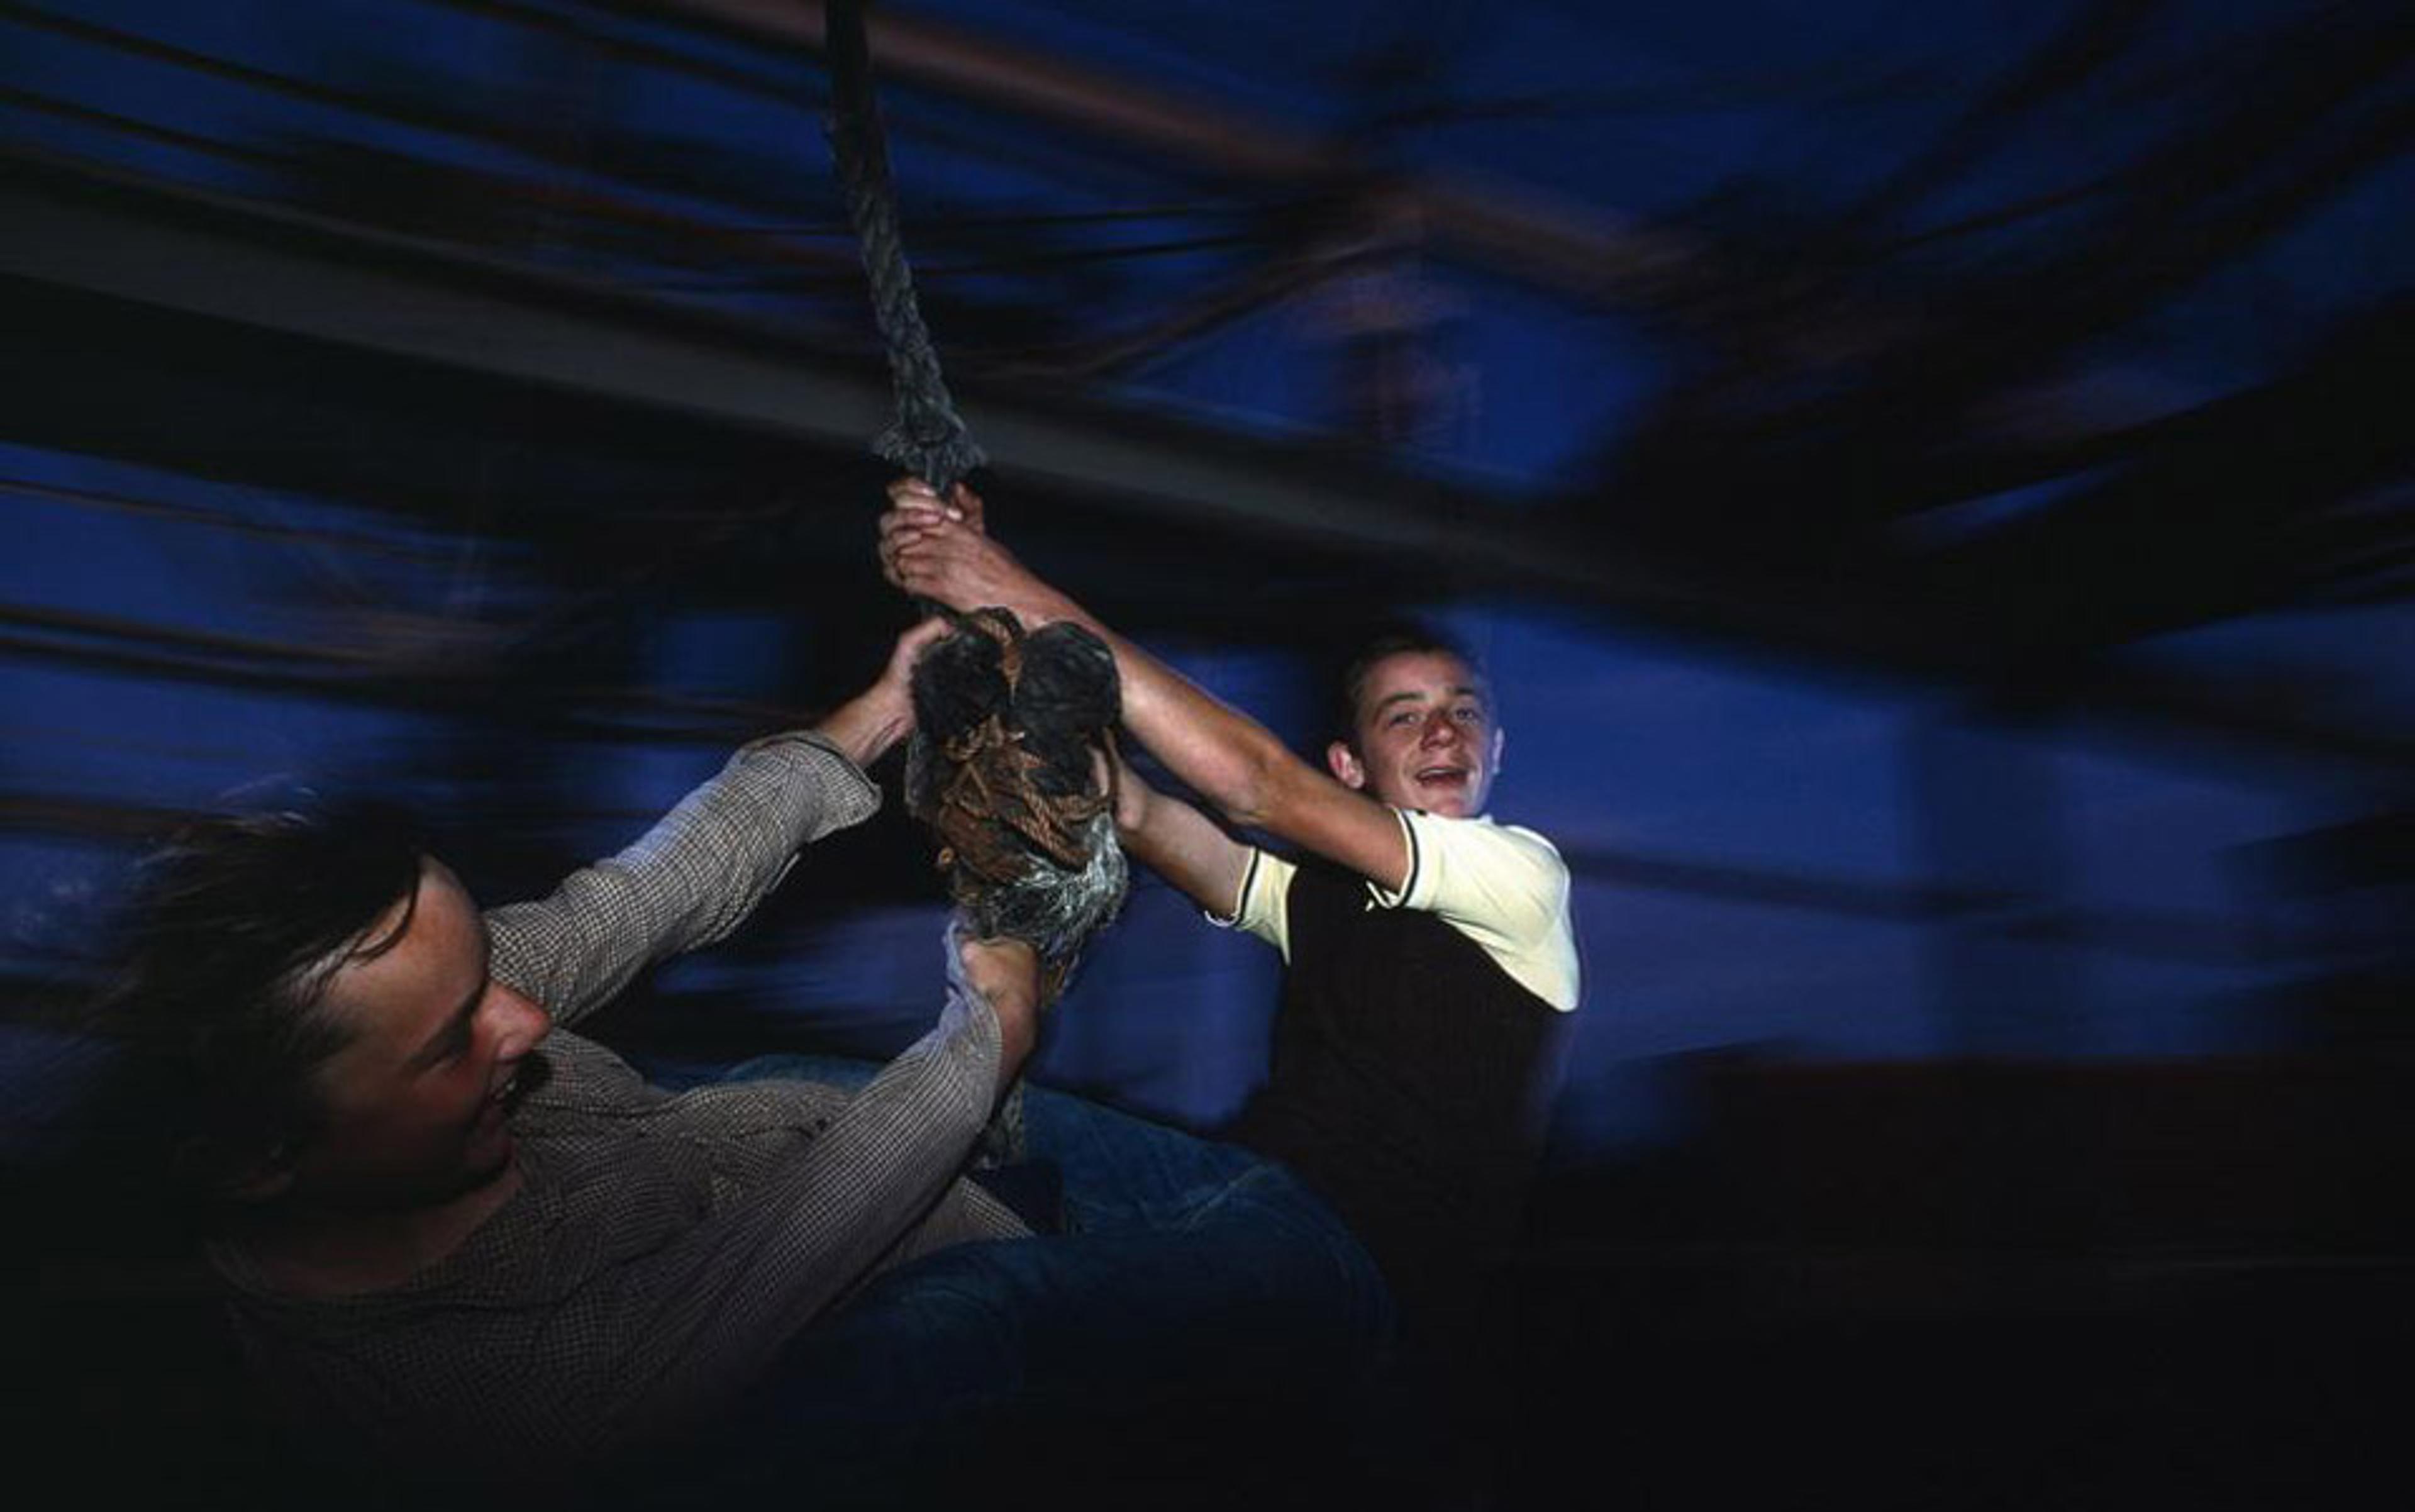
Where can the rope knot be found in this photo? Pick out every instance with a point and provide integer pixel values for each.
(1005, 769)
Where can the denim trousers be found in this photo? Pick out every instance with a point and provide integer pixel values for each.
(1198, 1291)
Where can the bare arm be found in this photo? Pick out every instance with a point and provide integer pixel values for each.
(942, 551)
(1179, 843)
(866, 725)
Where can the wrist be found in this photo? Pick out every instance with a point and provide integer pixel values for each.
(1046, 606)
(867, 726)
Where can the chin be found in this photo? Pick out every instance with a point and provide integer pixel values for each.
(495, 1158)
(488, 1160)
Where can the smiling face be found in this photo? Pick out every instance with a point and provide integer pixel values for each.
(415, 1106)
(1422, 735)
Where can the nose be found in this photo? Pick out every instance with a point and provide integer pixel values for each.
(1438, 731)
(520, 1023)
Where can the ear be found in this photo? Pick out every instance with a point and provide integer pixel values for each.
(1500, 741)
(1345, 765)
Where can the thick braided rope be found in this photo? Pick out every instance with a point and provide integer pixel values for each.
(928, 439)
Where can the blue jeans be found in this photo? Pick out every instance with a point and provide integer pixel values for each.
(1198, 1287)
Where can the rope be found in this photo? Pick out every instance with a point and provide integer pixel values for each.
(928, 439)
(999, 765)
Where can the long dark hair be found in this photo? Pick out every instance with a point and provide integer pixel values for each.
(236, 926)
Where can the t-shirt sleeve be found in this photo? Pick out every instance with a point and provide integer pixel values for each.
(1503, 887)
(1263, 906)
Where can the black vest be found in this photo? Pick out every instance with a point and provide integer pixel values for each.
(1411, 1078)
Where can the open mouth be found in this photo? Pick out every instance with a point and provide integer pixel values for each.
(1432, 776)
(495, 1114)
(516, 1086)
(530, 1074)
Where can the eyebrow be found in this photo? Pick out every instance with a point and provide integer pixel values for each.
(433, 1050)
(1456, 690)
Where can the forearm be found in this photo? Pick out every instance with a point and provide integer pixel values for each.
(865, 726)
(1229, 759)
(769, 1264)
(1242, 770)
(700, 871)
(877, 1169)
(692, 879)
(1181, 845)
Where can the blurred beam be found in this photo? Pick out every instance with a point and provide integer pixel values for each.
(1510, 227)
(304, 276)
(833, 262)
(2165, 934)
(78, 228)
(74, 817)
(424, 684)
(2156, 935)
(307, 275)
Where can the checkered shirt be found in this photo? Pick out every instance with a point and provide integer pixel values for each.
(663, 1247)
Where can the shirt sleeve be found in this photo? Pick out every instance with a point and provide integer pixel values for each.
(1263, 906)
(760, 1271)
(1503, 887)
(693, 877)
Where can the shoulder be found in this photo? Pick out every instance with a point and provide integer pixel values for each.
(1503, 886)
(1532, 843)
(1447, 848)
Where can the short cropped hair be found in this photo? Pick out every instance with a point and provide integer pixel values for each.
(1392, 638)
(235, 928)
